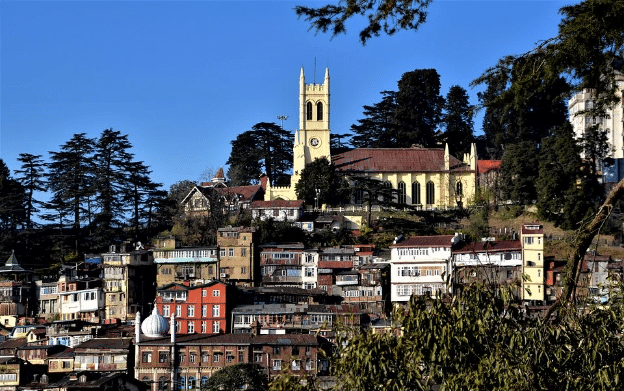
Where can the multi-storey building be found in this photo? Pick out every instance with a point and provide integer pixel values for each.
(188, 361)
(198, 265)
(238, 255)
(533, 289)
(47, 297)
(129, 282)
(367, 287)
(17, 292)
(494, 261)
(280, 264)
(105, 355)
(419, 265)
(309, 268)
(81, 299)
(199, 309)
(611, 124)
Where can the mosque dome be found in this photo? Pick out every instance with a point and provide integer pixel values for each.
(155, 325)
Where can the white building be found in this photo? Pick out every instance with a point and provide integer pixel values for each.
(420, 265)
(488, 252)
(612, 124)
(309, 268)
(81, 299)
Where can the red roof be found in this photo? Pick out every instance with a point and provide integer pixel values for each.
(484, 166)
(277, 204)
(503, 245)
(528, 231)
(426, 241)
(395, 160)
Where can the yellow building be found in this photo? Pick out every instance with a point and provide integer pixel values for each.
(533, 263)
(423, 177)
(238, 258)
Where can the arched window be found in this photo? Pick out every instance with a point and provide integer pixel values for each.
(163, 383)
(191, 383)
(309, 111)
(319, 111)
(181, 382)
(386, 197)
(146, 380)
(416, 193)
(430, 193)
(204, 380)
(459, 189)
(402, 197)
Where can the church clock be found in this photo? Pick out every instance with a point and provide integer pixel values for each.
(315, 142)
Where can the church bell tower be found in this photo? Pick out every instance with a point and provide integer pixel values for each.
(312, 138)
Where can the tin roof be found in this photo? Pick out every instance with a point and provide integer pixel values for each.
(426, 241)
(395, 160)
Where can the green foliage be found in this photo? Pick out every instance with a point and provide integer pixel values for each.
(266, 146)
(519, 172)
(387, 16)
(321, 175)
(32, 178)
(484, 340)
(458, 123)
(404, 118)
(236, 377)
(271, 231)
(478, 223)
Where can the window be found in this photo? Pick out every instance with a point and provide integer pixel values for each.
(528, 240)
(319, 111)
(277, 365)
(181, 357)
(222, 252)
(191, 327)
(295, 350)
(257, 357)
(296, 365)
(243, 270)
(231, 252)
(229, 357)
(216, 357)
(430, 193)
(205, 291)
(166, 313)
(276, 350)
(415, 193)
(243, 252)
(241, 354)
(204, 327)
(205, 357)
(190, 311)
(459, 190)
(402, 197)
(191, 383)
(216, 310)
(204, 380)
(181, 382)
(309, 272)
(192, 357)
(216, 327)
(178, 311)
(216, 293)
(204, 311)
(147, 357)
(308, 364)
(309, 111)
(163, 357)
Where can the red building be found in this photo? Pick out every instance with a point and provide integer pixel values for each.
(199, 309)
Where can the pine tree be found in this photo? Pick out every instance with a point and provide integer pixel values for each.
(32, 178)
(457, 122)
(377, 129)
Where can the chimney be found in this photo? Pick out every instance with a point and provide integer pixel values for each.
(263, 181)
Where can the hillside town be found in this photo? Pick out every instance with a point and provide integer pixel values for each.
(161, 316)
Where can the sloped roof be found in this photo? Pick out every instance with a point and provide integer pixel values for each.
(281, 204)
(426, 241)
(12, 266)
(478, 247)
(484, 166)
(245, 193)
(105, 343)
(395, 160)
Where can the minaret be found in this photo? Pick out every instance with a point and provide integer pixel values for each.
(137, 328)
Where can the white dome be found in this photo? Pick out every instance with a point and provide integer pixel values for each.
(155, 325)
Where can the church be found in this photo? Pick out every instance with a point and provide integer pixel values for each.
(425, 178)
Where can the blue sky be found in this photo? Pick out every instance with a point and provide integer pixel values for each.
(182, 79)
